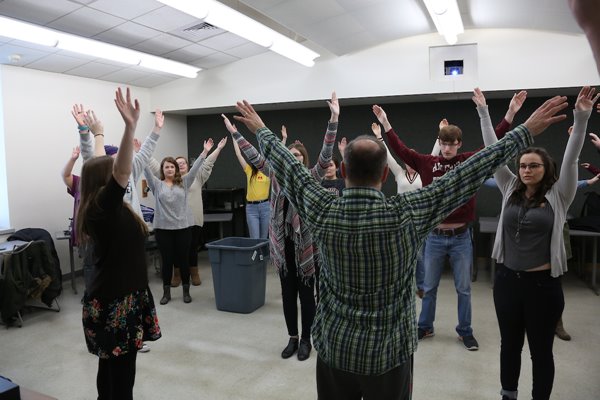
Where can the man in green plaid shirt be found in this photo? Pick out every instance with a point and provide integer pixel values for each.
(365, 327)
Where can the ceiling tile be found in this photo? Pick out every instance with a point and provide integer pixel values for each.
(94, 70)
(296, 14)
(214, 60)
(189, 53)
(127, 34)
(161, 44)
(125, 75)
(223, 41)
(35, 11)
(56, 63)
(246, 50)
(126, 9)
(152, 80)
(86, 22)
(166, 19)
(27, 55)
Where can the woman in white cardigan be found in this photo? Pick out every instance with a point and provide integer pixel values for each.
(528, 294)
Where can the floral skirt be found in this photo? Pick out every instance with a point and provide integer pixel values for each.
(121, 325)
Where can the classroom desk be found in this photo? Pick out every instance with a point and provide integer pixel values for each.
(220, 218)
(65, 235)
(490, 225)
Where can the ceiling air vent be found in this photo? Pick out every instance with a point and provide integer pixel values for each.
(200, 27)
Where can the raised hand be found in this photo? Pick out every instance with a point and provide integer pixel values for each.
(376, 128)
(594, 180)
(443, 123)
(249, 116)
(159, 120)
(478, 98)
(298, 142)
(334, 106)
(570, 130)
(75, 153)
(517, 101)
(284, 134)
(342, 145)
(93, 123)
(595, 140)
(78, 112)
(230, 127)
(137, 145)
(128, 110)
(586, 99)
(208, 144)
(585, 165)
(545, 115)
(222, 143)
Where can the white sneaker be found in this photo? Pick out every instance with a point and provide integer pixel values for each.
(145, 348)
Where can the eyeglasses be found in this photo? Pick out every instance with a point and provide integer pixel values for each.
(447, 144)
(531, 166)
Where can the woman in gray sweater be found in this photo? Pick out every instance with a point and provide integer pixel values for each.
(529, 241)
(173, 219)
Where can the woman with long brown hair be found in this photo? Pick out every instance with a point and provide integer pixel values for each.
(173, 219)
(118, 308)
(528, 295)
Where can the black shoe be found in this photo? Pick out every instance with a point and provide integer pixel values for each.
(186, 294)
(470, 342)
(290, 349)
(304, 349)
(166, 295)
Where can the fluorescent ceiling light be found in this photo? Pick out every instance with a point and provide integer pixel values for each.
(446, 17)
(48, 37)
(27, 32)
(163, 64)
(218, 14)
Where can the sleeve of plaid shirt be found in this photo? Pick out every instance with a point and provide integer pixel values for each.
(254, 157)
(432, 204)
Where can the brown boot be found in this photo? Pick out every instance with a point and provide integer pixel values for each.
(195, 277)
(176, 279)
(560, 331)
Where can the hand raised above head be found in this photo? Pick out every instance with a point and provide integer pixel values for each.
(334, 105)
(222, 143)
(342, 145)
(595, 140)
(78, 112)
(93, 122)
(130, 111)
(517, 101)
(137, 145)
(586, 99)
(159, 120)
(208, 144)
(379, 113)
(376, 129)
(249, 116)
(443, 123)
(478, 98)
(230, 127)
(75, 153)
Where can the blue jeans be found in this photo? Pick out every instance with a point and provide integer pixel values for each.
(257, 217)
(460, 250)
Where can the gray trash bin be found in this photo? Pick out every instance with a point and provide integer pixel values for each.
(239, 269)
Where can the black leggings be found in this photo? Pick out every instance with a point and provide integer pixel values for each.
(116, 377)
(292, 286)
(195, 243)
(527, 303)
(174, 247)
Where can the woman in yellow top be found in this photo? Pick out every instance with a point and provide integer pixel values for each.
(258, 210)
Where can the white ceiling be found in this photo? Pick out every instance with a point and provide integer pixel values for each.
(339, 26)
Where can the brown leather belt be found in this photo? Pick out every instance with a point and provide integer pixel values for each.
(451, 232)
